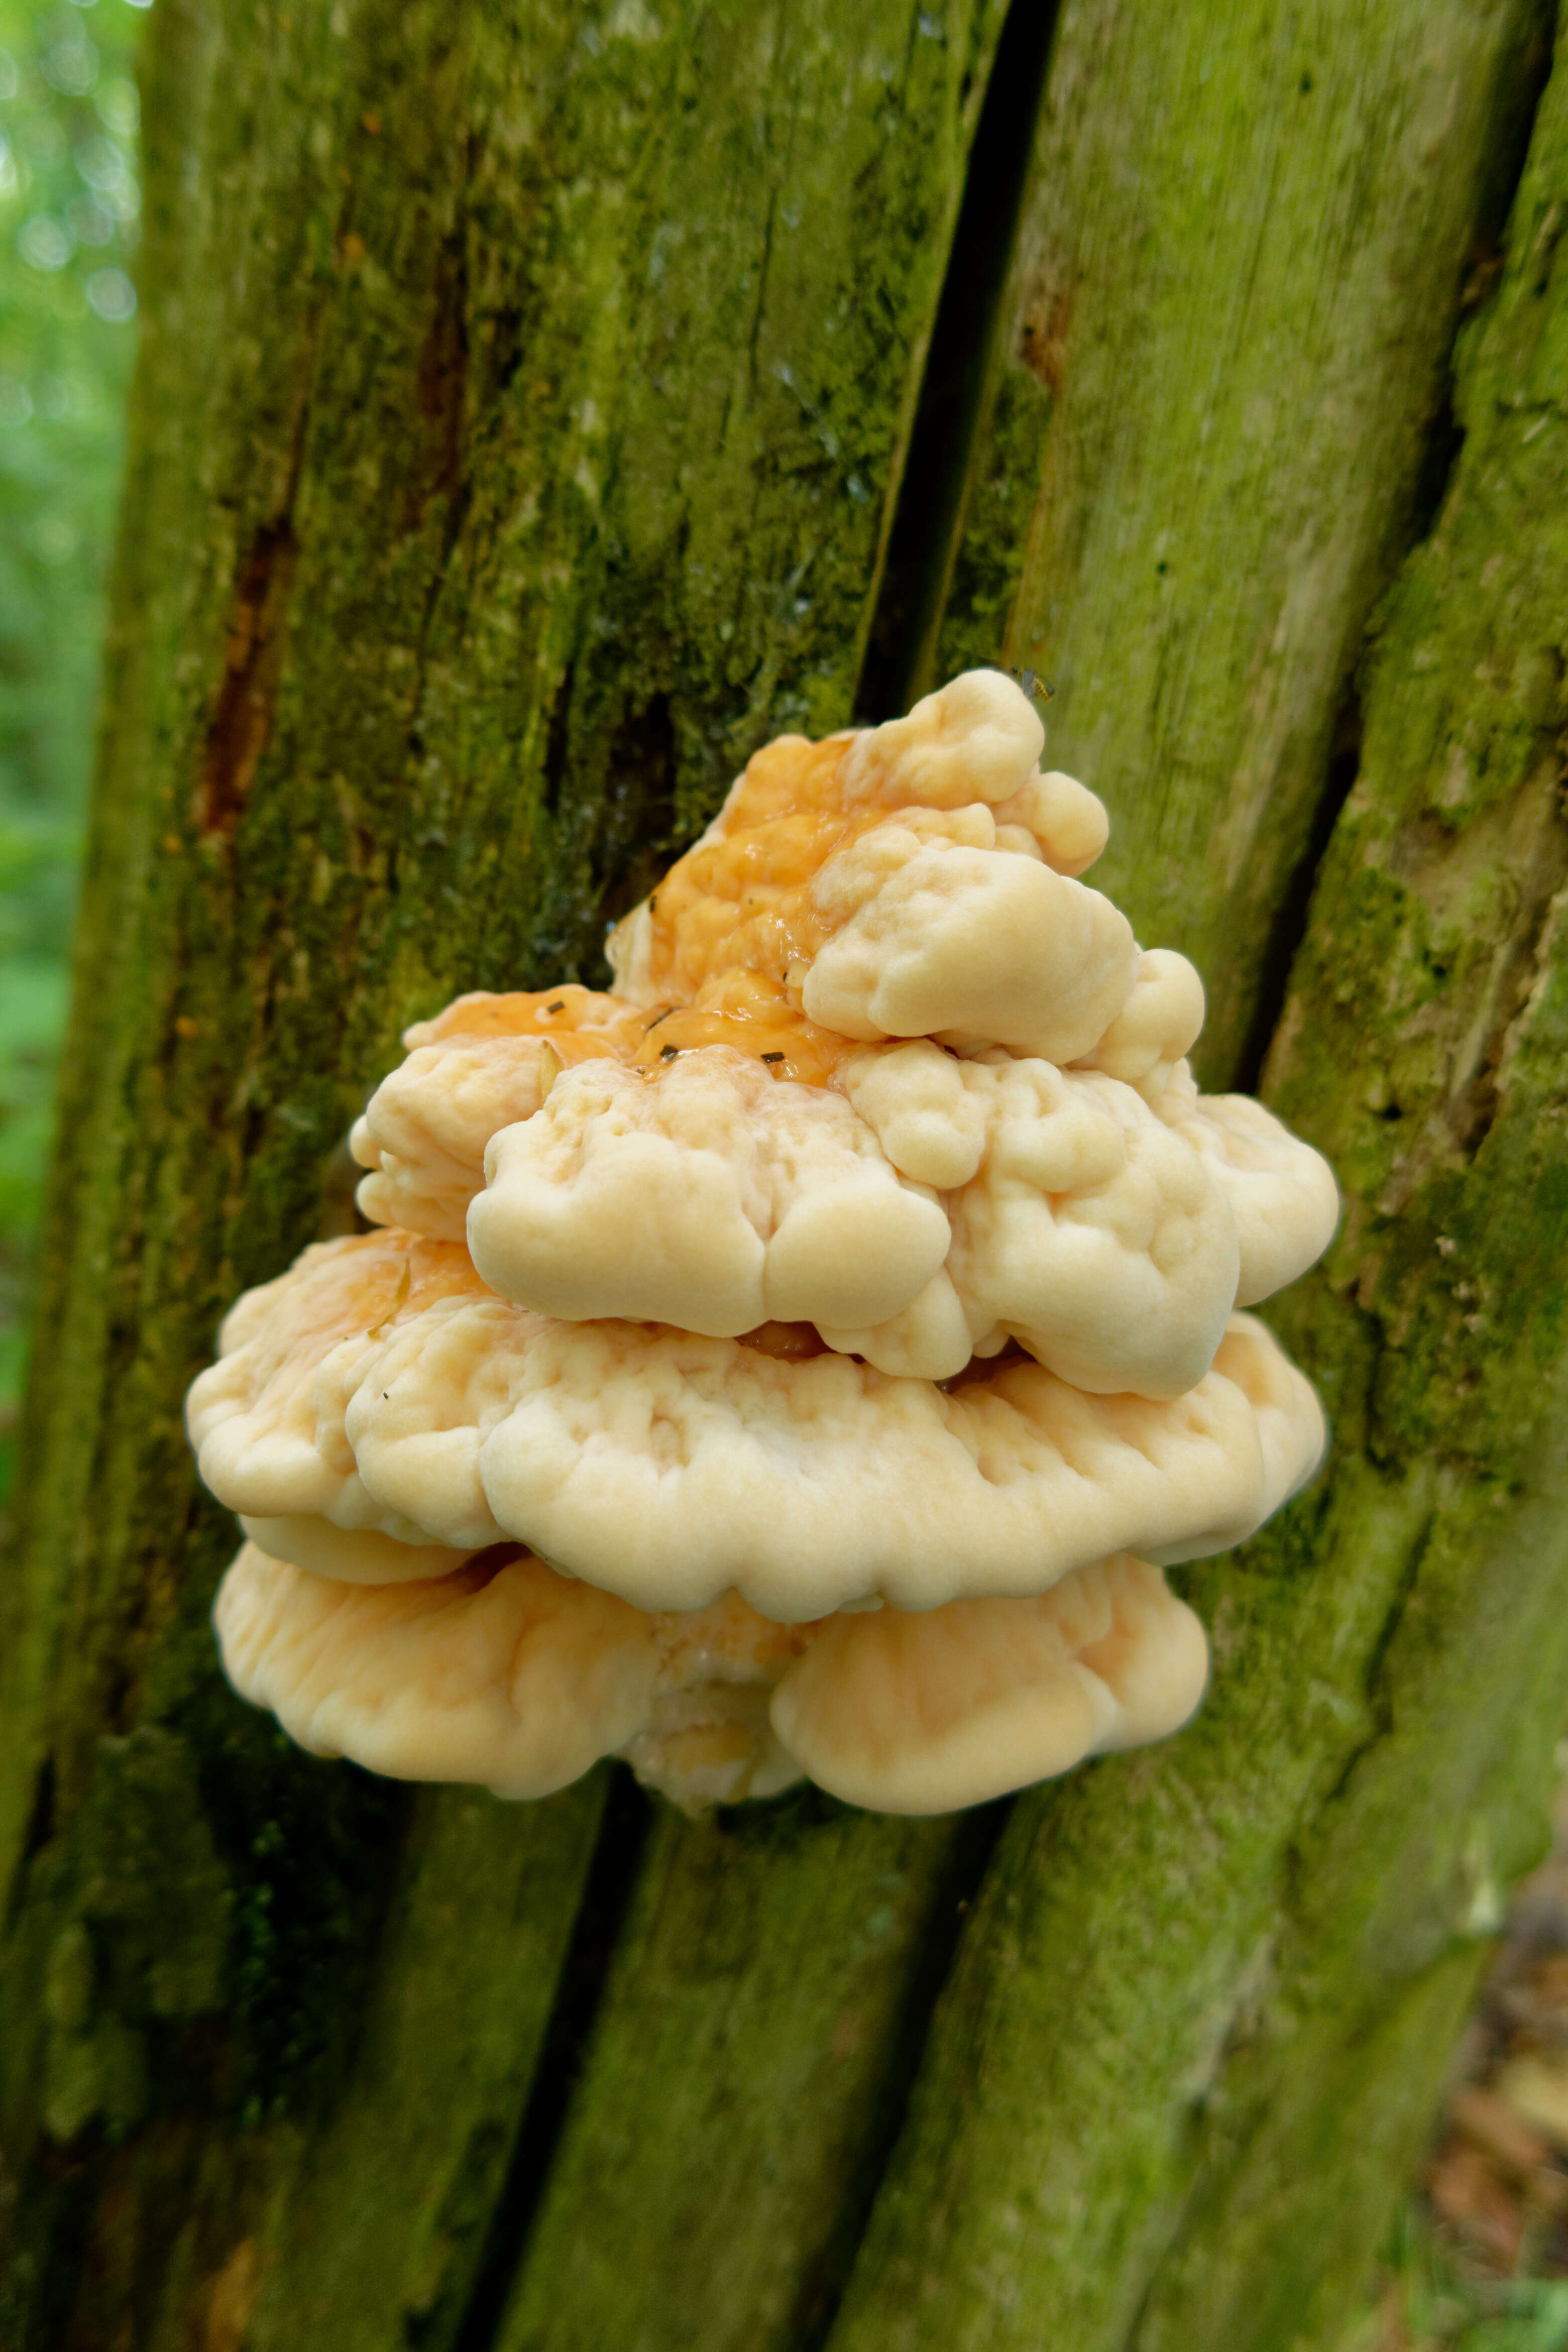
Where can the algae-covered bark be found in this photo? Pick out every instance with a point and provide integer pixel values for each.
(1193, 2042)
(1411, 225)
(380, 2221)
(758, 2034)
(519, 439)
(1218, 399)
(521, 404)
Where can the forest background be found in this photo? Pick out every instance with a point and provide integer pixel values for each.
(69, 202)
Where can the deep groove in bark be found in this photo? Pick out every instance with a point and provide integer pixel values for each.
(929, 504)
(242, 721)
(635, 834)
(557, 743)
(821, 2291)
(1445, 442)
(442, 392)
(40, 1820)
(612, 1879)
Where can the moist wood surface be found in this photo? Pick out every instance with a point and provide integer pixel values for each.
(1198, 2028)
(519, 427)
(1218, 412)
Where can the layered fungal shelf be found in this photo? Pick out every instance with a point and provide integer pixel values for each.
(803, 1360)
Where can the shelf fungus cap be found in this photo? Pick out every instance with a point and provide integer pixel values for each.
(267, 1421)
(1156, 1026)
(979, 738)
(1076, 1228)
(514, 1678)
(1082, 1225)
(511, 1675)
(805, 1357)
(710, 1195)
(482, 1063)
(669, 1467)
(908, 880)
(1284, 1200)
(923, 1714)
(938, 938)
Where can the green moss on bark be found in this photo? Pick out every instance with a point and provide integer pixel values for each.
(742, 2080)
(1139, 1871)
(1221, 382)
(1192, 2046)
(524, 403)
(522, 394)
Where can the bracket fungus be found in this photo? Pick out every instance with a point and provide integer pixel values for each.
(801, 1361)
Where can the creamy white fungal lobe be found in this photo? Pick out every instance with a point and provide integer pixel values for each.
(750, 1200)
(1283, 1198)
(804, 1358)
(511, 1678)
(913, 1713)
(670, 1467)
(507, 1674)
(425, 1129)
(931, 935)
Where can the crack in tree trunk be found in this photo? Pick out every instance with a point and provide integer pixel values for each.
(241, 725)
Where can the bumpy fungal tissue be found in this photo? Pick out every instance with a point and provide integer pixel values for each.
(801, 1361)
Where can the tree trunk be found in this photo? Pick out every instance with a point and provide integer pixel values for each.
(538, 408)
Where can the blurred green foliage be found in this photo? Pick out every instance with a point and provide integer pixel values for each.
(70, 203)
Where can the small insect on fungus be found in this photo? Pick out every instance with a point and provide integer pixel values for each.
(1036, 688)
(773, 1057)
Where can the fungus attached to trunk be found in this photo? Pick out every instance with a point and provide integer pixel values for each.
(803, 1361)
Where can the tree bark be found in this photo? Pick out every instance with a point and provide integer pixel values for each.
(537, 410)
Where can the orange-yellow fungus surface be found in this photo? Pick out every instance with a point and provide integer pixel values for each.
(737, 1007)
(745, 899)
(752, 1014)
(361, 1283)
(579, 1022)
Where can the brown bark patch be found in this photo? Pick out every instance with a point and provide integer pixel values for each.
(242, 722)
(1043, 335)
(441, 388)
(231, 2299)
